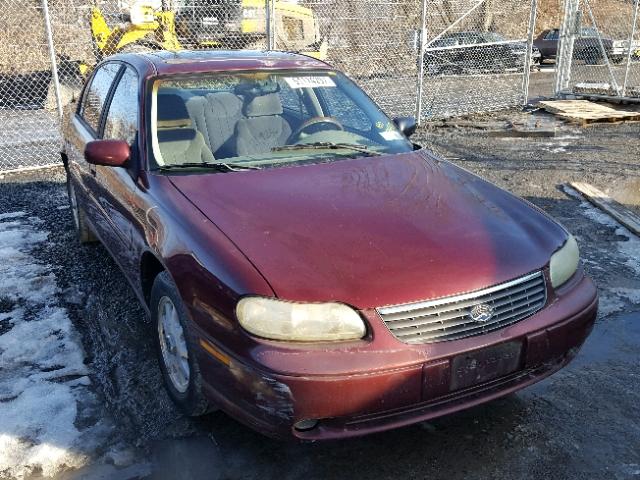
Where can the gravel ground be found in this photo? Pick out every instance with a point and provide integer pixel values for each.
(582, 423)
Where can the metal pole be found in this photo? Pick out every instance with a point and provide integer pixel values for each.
(52, 55)
(420, 79)
(631, 37)
(562, 47)
(564, 55)
(527, 61)
(271, 31)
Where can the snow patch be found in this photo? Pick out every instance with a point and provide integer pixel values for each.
(631, 294)
(43, 375)
(4, 216)
(630, 248)
(609, 303)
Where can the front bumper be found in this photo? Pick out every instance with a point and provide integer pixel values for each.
(399, 392)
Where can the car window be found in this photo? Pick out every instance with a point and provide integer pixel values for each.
(588, 32)
(552, 35)
(96, 95)
(122, 119)
(490, 37)
(468, 39)
(444, 42)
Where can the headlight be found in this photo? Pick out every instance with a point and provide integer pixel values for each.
(299, 322)
(564, 262)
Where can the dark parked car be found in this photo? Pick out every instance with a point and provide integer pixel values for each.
(472, 52)
(309, 270)
(586, 46)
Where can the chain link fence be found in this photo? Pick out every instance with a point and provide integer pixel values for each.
(373, 41)
(599, 49)
(430, 58)
(28, 131)
(477, 55)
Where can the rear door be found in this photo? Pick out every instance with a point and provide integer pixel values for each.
(85, 127)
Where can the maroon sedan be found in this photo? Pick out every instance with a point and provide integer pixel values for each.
(310, 271)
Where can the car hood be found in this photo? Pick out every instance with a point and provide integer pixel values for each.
(375, 231)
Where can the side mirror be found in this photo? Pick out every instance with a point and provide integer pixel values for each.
(407, 125)
(109, 153)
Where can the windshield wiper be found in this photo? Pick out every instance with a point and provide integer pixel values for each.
(327, 145)
(221, 166)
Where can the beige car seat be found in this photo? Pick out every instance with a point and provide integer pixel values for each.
(264, 128)
(178, 141)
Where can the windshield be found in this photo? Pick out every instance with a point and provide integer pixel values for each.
(492, 37)
(266, 119)
(588, 32)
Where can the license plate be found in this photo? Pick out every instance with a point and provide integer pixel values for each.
(484, 365)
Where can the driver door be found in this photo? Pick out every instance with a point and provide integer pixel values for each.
(116, 184)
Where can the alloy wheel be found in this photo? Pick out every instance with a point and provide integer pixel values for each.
(173, 345)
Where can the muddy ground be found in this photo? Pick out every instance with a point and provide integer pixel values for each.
(582, 423)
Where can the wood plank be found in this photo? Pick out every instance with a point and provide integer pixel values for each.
(601, 200)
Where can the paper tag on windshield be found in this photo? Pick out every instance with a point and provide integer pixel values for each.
(391, 135)
(310, 82)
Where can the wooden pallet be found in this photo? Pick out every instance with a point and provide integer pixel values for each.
(585, 112)
(601, 200)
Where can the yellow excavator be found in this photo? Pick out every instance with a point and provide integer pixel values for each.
(153, 25)
(196, 24)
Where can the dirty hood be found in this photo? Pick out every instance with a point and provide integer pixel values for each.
(375, 231)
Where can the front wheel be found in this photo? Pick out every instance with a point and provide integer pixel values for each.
(178, 364)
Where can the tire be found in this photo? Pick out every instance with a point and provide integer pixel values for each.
(83, 232)
(184, 390)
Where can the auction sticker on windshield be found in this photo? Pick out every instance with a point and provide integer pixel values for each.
(310, 82)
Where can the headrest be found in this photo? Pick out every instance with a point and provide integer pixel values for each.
(225, 103)
(257, 88)
(173, 135)
(263, 106)
(172, 112)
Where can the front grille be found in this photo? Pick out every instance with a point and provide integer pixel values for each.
(450, 318)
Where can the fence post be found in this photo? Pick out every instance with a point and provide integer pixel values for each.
(527, 61)
(420, 79)
(271, 30)
(631, 37)
(52, 54)
(564, 56)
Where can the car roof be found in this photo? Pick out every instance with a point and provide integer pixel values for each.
(164, 62)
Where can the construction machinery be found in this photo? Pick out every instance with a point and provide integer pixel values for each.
(154, 25)
(145, 25)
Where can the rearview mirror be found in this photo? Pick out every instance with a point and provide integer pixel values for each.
(108, 153)
(407, 125)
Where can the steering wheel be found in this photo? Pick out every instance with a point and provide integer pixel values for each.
(314, 121)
